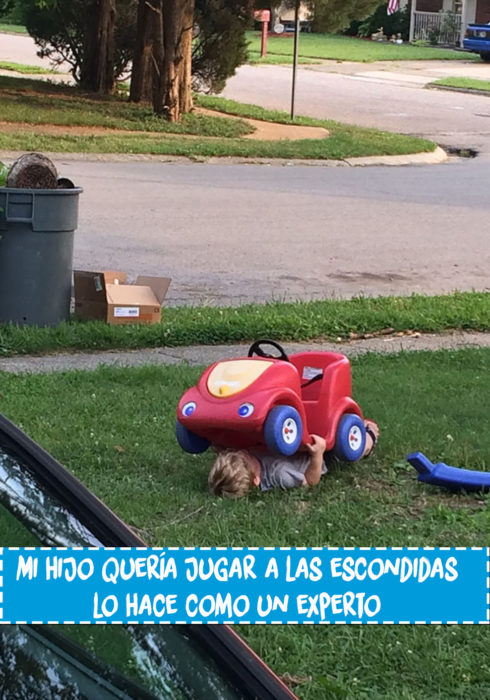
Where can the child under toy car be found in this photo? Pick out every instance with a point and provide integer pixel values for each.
(235, 472)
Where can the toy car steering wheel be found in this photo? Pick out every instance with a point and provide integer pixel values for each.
(256, 349)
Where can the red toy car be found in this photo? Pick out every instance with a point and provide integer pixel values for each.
(273, 403)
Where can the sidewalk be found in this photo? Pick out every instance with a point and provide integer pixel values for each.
(203, 355)
(409, 73)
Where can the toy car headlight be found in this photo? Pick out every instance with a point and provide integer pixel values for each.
(188, 408)
(246, 410)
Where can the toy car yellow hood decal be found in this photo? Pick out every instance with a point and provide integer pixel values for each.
(229, 378)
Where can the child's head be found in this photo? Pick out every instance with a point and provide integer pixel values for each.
(233, 474)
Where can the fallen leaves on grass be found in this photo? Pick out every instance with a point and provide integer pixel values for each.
(292, 680)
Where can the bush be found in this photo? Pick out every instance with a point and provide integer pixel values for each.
(398, 23)
(220, 45)
(9, 12)
(60, 31)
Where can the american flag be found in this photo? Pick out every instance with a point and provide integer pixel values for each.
(392, 6)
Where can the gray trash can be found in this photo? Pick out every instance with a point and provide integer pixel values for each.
(36, 254)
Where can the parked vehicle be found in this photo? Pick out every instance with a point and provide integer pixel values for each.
(42, 504)
(477, 40)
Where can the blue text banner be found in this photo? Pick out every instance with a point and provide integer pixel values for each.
(244, 585)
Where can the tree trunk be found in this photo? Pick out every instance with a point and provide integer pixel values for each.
(185, 82)
(142, 72)
(158, 58)
(173, 52)
(97, 72)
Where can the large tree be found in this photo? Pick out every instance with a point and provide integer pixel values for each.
(95, 37)
(182, 44)
(174, 45)
(97, 73)
(141, 87)
(173, 58)
(163, 56)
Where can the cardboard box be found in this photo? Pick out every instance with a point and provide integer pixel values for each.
(106, 296)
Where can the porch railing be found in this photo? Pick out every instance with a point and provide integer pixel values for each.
(438, 27)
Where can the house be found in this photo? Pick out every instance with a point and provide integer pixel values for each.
(445, 21)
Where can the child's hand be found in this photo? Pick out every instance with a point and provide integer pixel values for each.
(318, 445)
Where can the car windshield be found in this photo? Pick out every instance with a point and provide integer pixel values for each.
(104, 662)
(87, 661)
(47, 520)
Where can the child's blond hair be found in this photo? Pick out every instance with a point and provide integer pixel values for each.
(231, 474)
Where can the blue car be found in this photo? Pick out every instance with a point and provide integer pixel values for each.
(477, 40)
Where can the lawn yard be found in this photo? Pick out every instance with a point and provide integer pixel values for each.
(12, 28)
(463, 84)
(118, 439)
(40, 116)
(22, 68)
(336, 47)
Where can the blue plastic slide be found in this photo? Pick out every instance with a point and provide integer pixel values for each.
(451, 477)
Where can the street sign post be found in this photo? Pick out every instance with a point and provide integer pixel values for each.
(295, 56)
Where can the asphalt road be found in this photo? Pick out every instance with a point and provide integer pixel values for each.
(228, 234)
(385, 95)
(236, 233)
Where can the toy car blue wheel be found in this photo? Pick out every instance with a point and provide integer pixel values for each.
(190, 442)
(283, 430)
(350, 440)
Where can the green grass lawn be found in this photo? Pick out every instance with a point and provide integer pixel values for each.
(299, 321)
(36, 102)
(463, 83)
(29, 102)
(113, 429)
(12, 28)
(344, 48)
(21, 68)
(279, 59)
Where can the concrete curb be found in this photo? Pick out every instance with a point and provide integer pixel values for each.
(203, 355)
(450, 88)
(433, 158)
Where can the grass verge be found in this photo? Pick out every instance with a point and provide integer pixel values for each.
(344, 48)
(463, 84)
(276, 59)
(21, 68)
(28, 103)
(7, 28)
(298, 321)
(117, 437)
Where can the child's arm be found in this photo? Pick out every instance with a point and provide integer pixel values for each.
(314, 472)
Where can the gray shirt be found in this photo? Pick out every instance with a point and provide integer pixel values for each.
(283, 472)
